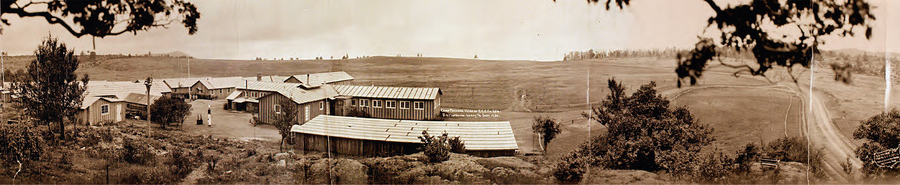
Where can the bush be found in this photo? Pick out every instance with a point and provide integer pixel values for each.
(746, 156)
(389, 170)
(457, 145)
(570, 170)
(715, 167)
(136, 153)
(21, 143)
(182, 163)
(437, 149)
(340, 171)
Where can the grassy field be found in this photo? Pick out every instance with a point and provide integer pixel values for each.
(524, 89)
(742, 115)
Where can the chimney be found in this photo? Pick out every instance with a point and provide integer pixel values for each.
(307, 79)
(258, 77)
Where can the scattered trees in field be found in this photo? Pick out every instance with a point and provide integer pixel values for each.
(106, 18)
(284, 120)
(167, 110)
(547, 128)
(50, 92)
(436, 148)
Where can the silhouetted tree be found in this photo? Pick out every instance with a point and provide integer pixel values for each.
(50, 92)
(101, 18)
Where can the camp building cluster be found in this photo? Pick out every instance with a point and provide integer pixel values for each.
(324, 102)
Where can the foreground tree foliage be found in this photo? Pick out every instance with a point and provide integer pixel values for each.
(881, 132)
(50, 92)
(285, 120)
(101, 18)
(759, 26)
(167, 110)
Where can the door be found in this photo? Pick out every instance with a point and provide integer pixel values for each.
(119, 114)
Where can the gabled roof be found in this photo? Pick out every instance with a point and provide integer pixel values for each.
(88, 101)
(418, 93)
(301, 96)
(497, 135)
(273, 78)
(327, 77)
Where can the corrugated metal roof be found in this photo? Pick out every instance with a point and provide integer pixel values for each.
(88, 101)
(419, 93)
(476, 135)
(291, 90)
(233, 95)
(122, 89)
(139, 98)
(327, 77)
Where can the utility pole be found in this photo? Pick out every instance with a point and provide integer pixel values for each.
(148, 83)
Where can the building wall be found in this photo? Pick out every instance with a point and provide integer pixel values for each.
(430, 111)
(359, 147)
(220, 92)
(93, 115)
(352, 146)
(267, 108)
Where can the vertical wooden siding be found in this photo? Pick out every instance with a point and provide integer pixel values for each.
(94, 113)
(267, 108)
(429, 112)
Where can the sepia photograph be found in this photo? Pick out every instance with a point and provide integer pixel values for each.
(449, 92)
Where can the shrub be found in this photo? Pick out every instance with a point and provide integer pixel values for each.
(389, 170)
(21, 143)
(714, 167)
(437, 149)
(746, 156)
(457, 145)
(168, 110)
(570, 170)
(340, 171)
(136, 153)
(182, 163)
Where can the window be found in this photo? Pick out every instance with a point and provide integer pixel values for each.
(404, 105)
(376, 103)
(321, 105)
(277, 109)
(363, 103)
(352, 102)
(390, 104)
(418, 105)
(104, 109)
(306, 113)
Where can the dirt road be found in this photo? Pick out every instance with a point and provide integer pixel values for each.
(821, 132)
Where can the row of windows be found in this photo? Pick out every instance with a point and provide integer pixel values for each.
(388, 104)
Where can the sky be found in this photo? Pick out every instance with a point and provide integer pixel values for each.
(491, 29)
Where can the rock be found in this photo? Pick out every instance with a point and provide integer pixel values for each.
(281, 163)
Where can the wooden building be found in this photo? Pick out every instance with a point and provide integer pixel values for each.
(412, 103)
(309, 103)
(384, 137)
(101, 110)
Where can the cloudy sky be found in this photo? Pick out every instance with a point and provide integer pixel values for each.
(492, 29)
